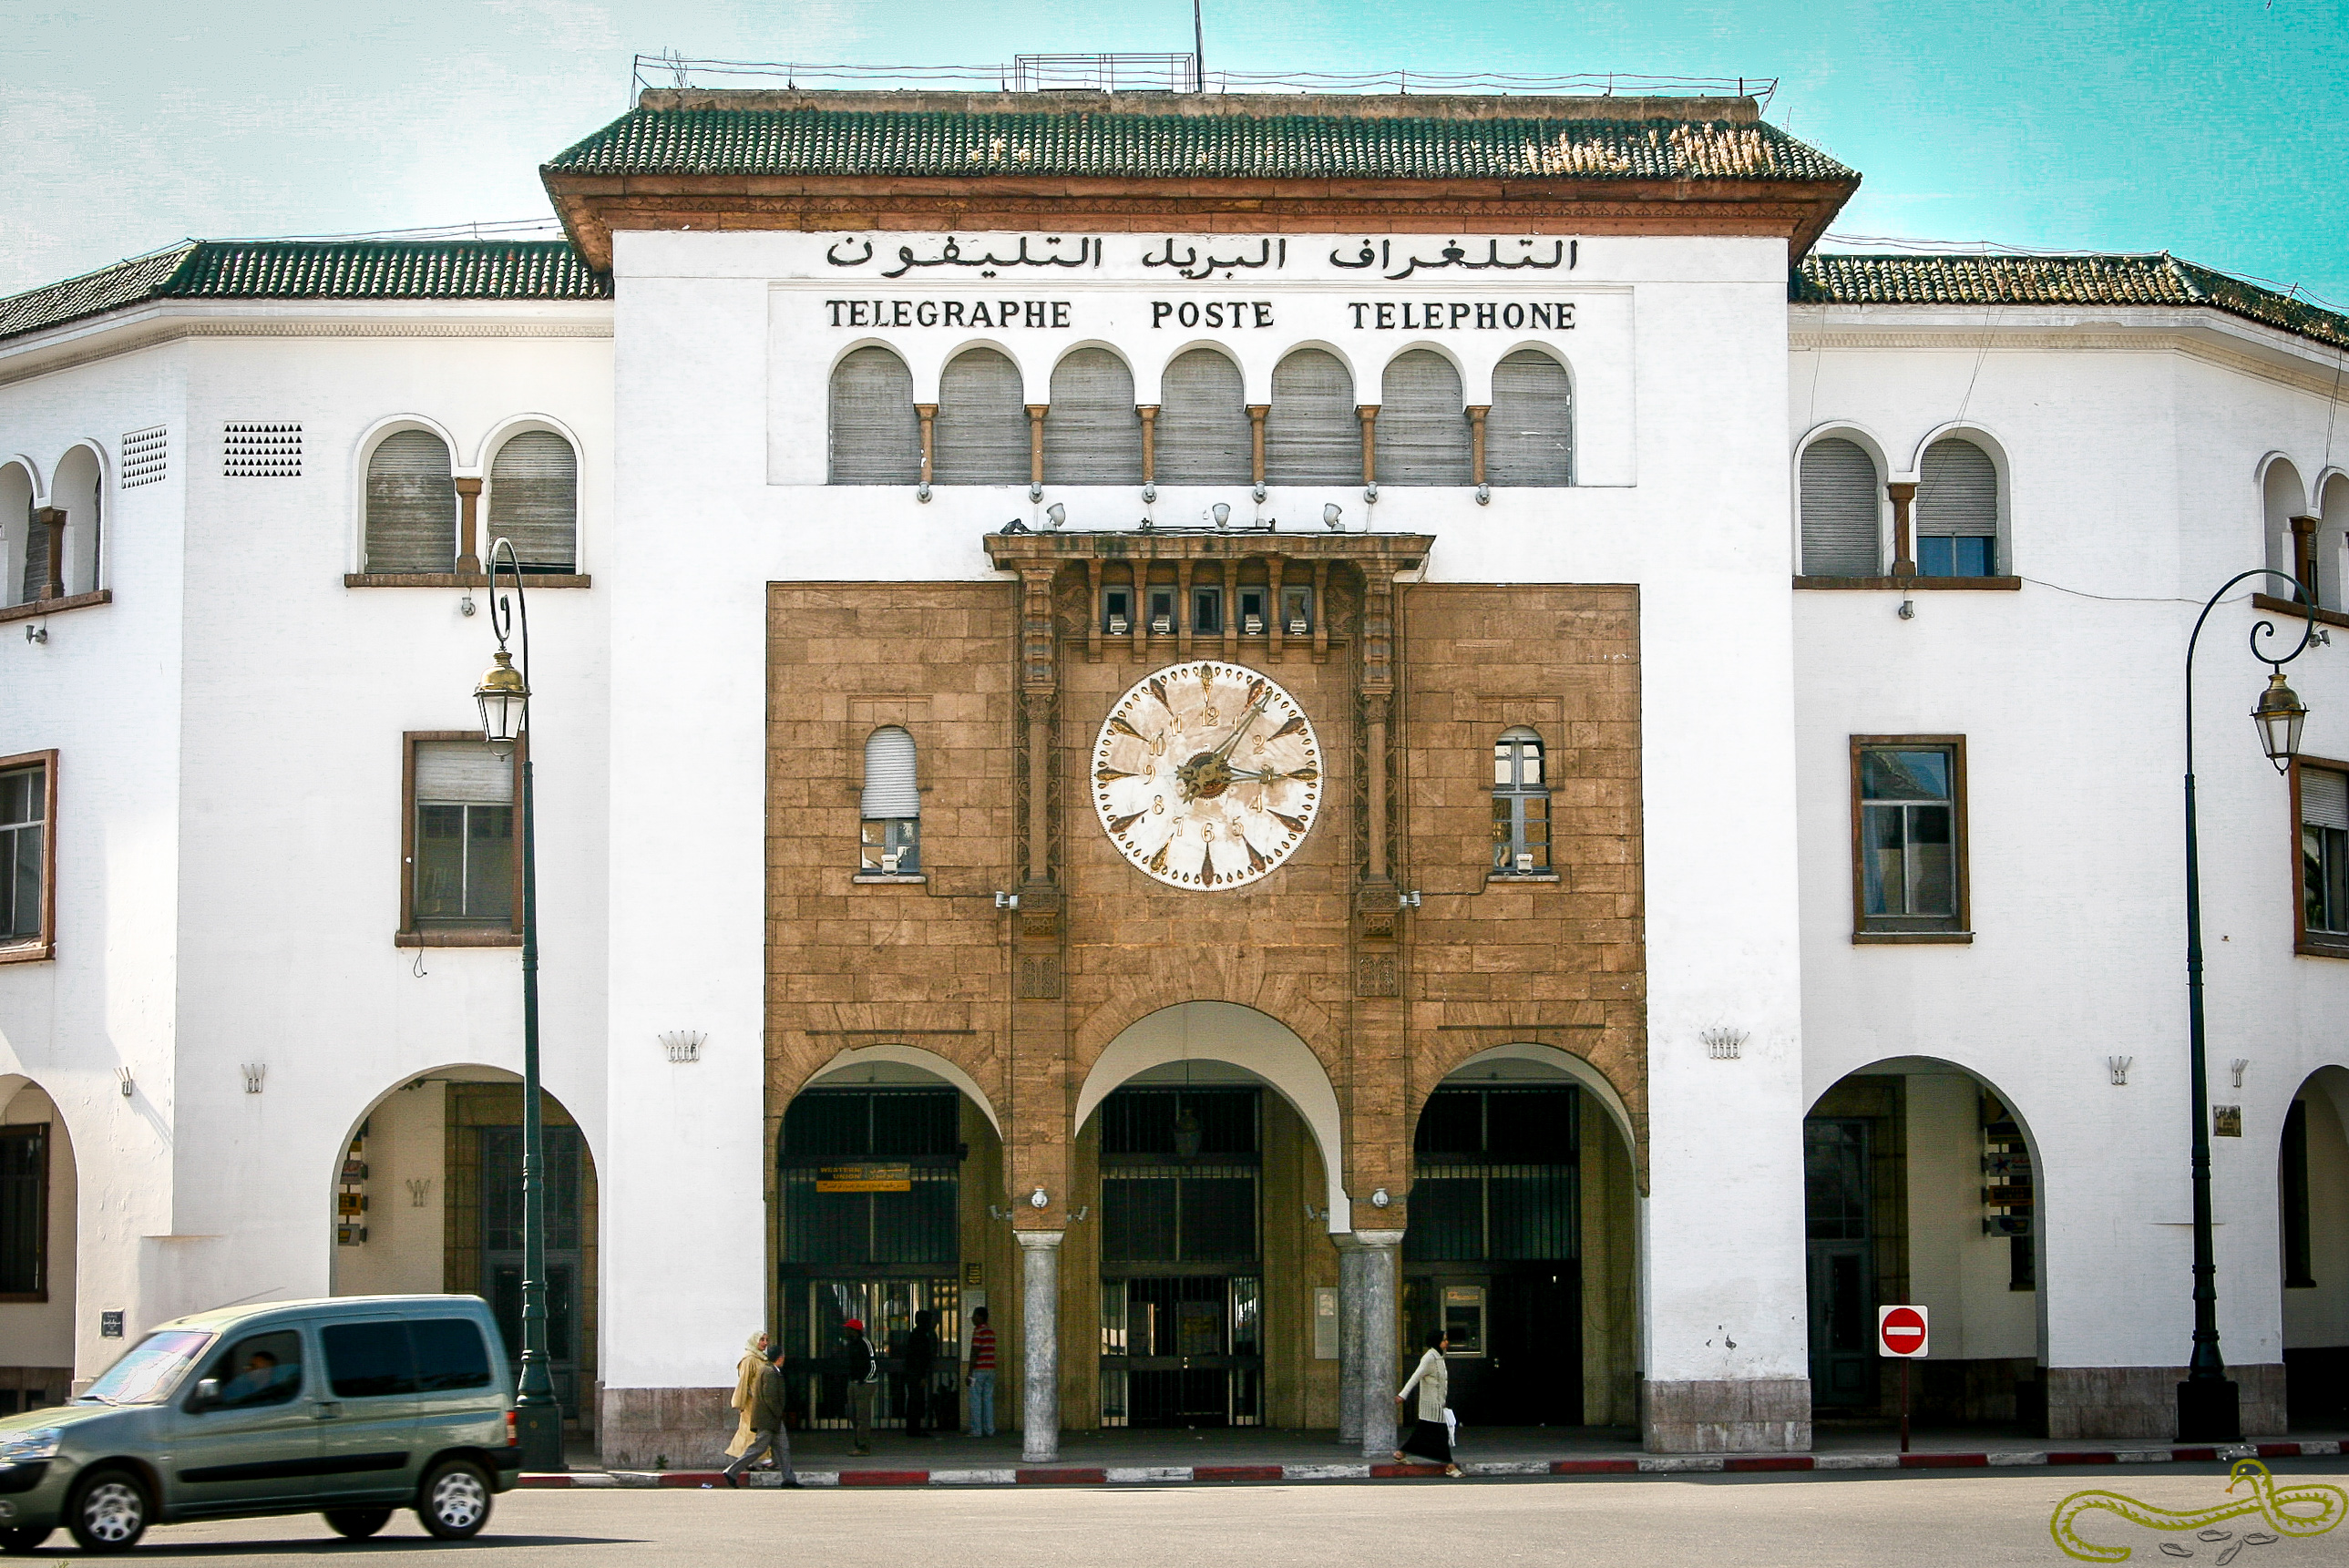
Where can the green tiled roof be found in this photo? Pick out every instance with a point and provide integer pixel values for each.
(315, 269)
(2160, 279)
(1231, 144)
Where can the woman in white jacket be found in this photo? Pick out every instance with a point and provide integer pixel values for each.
(1431, 1437)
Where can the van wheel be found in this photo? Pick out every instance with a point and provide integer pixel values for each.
(109, 1512)
(358, 1523)
(23, 1538)
(453, 1503)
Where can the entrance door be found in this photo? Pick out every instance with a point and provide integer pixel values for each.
(502, 1254)
(1836, 1192)
(1188, 1351)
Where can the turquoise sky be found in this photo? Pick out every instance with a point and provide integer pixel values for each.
(2210, 128)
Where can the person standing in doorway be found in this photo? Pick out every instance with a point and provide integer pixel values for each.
(864, 1378)
(921, 1363)
(980, 1376)
(762, 1419)
(1430, 1435)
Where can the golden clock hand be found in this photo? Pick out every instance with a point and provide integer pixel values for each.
(1241, 728)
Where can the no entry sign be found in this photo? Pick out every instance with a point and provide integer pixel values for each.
(1901, 1331)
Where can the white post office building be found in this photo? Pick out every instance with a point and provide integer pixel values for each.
(1239, 727)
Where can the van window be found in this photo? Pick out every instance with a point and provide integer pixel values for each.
(369, 1360)
(449, 1354)
(145, 1375)
(260, 1369)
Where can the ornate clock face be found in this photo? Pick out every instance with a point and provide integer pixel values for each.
(1206, 775)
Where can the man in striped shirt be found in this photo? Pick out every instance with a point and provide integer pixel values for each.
(980, 1417)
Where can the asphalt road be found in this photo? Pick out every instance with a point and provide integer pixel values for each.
(1817, 1522)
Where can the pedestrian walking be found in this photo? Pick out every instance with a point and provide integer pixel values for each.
(1431, 1433)
(921, 1367)
(761, 1432)
(980, 1421)
(863, 1378)
(746, 1387)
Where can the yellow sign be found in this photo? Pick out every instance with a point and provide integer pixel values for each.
(864, 1179)
(2319, 1508)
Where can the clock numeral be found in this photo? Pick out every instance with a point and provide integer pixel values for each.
(1158, 805)
(1208, 715)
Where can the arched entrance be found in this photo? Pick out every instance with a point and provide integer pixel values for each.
(1521, 1240)
(36, 1249)
(2312, 1190)
(1921, 1185)
(1204, 1272)
(426, 1197)
(888, 1166)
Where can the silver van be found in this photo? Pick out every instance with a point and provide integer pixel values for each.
(351, 1408)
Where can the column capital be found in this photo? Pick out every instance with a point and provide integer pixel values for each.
(1039, 1240)
(1376, 1241)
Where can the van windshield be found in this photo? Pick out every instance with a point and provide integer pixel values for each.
(146, 1373)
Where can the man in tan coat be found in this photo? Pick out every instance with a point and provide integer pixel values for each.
(758, 1395)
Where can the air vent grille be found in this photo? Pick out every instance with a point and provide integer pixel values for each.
(260, 451)
(143, 453)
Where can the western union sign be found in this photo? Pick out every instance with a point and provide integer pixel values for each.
(864, 1179)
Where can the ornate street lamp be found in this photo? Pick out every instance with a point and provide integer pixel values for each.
(2209, 1406)
(503, 696)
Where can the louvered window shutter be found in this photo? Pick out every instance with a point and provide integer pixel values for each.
(1529, 433)
(36, 581)
(2323, 797)
(1841, 532)
(411, 505)
(1312, 436)
(534, 501)
(889, 786)
(1957, 493)
(876, 436)
(463, 773)
(1203, 437)
(1423, 431)
(1091, 434)
(982, 425)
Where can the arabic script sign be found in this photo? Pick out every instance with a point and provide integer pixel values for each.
(1195, 261)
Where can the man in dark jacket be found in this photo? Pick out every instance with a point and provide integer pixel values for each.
(921, 1370)
(764, 1416)
(864, 1376)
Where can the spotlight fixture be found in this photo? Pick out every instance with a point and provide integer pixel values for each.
(1222, 512)
(921, 492)
(1258, 492)
(1371, 494)
(1055, 515)
(1035, 492)
(1149, 492)
(1483, 495)
(1332, 518)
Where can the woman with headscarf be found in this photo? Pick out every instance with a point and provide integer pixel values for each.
(746, 1392)
(1430, 1435)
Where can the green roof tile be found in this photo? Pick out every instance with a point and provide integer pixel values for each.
(2158, 279)
(1232, 145)
(315, 269)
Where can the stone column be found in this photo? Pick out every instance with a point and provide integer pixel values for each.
(1376, 1281)
(1039, 1301)
(1349, 1339)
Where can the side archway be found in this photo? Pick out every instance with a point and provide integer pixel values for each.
(38, 1198)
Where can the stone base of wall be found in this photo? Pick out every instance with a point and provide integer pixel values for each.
(686, 1428)
(1734, 1415)
(2142, 1401)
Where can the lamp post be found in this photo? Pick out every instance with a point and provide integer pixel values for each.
(503, 696)
(2208, 1410)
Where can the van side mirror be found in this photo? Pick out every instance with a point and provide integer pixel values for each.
(207, 1395)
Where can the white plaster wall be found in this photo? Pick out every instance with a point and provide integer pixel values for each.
(2132, 476)
(41, 1334)
(406, 1243)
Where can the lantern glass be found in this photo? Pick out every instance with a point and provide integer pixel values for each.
(2280, 717)
(504, 701)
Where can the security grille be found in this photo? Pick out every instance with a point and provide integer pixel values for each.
(1423, 431)
(1840, 528)
(1312, 435)
(143, 456)
(260, 451)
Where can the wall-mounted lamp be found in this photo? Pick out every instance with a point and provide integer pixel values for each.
(1407, 899)
(1149, 492)
(2238, 1065)
(1483, 495)
(1035, 492)
(921, 492)
(1006, 900)
(1380, 1199)
(1723, 1045)
(465, 606)
(122, 1076)
(1037, 1199)
(419, 1188)
(1222, 512)
(1055, 515)
(1258, 492)
(683, 1044)
(2118, 1067)
(1333, 517)
(253, 1073)
(1371, 494)
(37, 633)
(1908, 609)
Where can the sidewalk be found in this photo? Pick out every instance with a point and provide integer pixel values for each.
(1159, 1458)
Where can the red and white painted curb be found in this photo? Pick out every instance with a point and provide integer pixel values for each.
(1643, 1464)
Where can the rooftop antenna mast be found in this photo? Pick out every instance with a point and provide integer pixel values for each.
(1198, 48)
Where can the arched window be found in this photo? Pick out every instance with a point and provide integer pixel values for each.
(1957, 511)
(2281, 499)
(534, 501)
(1842, 524)
(892, 805)
(1422, 429)
(1312, 435)
(876, 436)
(411, 505)
(1529, 431)
(1203, 437)
(981, 437)
(24, 559)
(1091, 434)
(2331, 537)
(1520, 805)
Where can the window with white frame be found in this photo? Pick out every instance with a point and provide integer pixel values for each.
(1520, 805)
(892, 837)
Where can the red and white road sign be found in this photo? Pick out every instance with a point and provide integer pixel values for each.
(1901, 1331)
